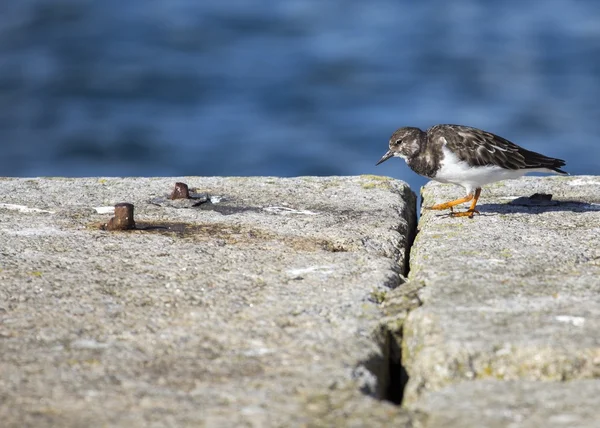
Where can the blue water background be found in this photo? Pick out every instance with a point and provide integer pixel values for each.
(287, 88)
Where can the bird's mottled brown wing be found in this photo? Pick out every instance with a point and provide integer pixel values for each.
(480, 148)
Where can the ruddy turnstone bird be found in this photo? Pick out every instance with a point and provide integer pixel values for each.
(468, 157)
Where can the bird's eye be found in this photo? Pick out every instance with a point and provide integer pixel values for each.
(398, 142)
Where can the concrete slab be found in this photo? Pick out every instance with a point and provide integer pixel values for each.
(501, 404)
(256, 309)
(509, 295)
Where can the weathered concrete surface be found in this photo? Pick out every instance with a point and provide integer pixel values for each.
(501, 404)
(255, 310)
(511, 295)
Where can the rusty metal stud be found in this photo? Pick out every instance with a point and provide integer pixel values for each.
(181, 191)
(123, 219)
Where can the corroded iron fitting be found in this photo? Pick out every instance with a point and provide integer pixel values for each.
(181, 191)
(123, 219)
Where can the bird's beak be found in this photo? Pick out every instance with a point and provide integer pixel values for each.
(385, 157)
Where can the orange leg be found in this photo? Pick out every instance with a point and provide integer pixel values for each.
(469, 213)
(451, 204)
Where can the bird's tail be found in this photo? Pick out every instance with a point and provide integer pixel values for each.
(536, 160)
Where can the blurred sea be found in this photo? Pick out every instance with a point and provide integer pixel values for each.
(294, 87)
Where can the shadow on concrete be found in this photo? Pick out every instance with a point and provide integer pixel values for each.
(537, 206)
(534, 204)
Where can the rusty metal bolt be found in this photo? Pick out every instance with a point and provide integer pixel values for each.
(181, 191)
(123, 219)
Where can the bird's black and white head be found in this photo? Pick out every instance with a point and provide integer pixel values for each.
(404, 143)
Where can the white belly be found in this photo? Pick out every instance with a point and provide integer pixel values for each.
(455, 171)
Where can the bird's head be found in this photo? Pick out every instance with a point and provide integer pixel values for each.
(404, 143)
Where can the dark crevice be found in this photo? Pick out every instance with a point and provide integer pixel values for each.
(410, 239)
(412, 223)
(392, 333)
(398, 377)
(384, 375)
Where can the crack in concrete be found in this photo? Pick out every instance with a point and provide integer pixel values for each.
(388, 368)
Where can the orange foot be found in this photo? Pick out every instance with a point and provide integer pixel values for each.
(469, 213)
(450, 205)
